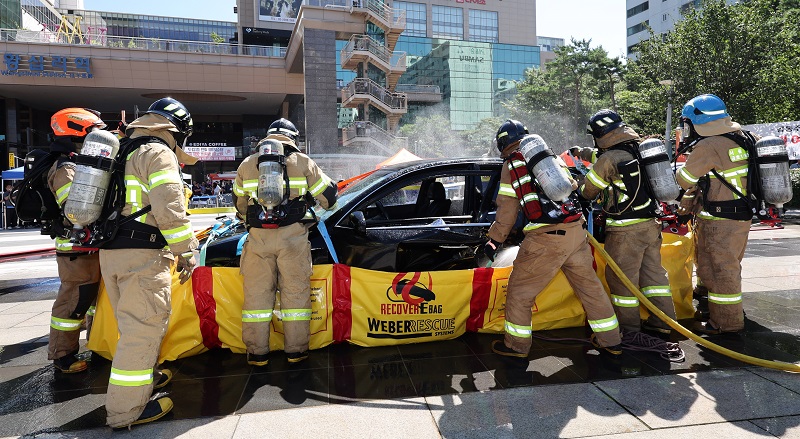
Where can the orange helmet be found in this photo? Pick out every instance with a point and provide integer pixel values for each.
(76, 122)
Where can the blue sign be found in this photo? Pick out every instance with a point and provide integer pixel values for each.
(45, 66)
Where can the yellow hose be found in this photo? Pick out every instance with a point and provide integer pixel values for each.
(789, 367)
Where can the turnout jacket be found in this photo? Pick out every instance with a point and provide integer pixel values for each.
(303, 174)
(727, 158)
(59, 180)
(153, 177)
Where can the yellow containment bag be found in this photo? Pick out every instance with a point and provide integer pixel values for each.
(374, 308)
(207, 314)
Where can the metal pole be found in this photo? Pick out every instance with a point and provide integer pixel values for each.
(667, 137)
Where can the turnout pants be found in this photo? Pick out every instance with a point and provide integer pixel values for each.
(80, 280)
(637, 251)
(138, 282)
(275, 259)
(720, 249)
(542, 253)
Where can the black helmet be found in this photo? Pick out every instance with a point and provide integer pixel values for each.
(510, 131)
(284, 127)
(177, 114)
(603, 122)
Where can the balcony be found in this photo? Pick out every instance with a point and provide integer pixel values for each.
(363, 48)
(420, 93)
(366, 91)
(362, 133)
(392, 21)
(135, 43)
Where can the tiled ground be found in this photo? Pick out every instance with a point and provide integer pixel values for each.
(560, 380)
(220, 383)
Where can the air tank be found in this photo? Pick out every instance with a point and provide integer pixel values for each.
(542, 163)
(659, 171)
(271, 184)
(773, 169)
(89, 185)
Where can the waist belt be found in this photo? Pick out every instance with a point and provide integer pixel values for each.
(556, 232)
(137, 235)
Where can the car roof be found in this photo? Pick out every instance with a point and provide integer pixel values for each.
(431, 163)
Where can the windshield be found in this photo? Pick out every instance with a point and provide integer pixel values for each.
(345, 195)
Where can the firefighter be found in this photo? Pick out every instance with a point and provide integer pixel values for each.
(633, 235)
(718, 165)
(78, 268)
(554, 239)
(273, 191)
(136, 265)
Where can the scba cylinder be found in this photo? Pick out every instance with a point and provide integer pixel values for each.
(542, 163)
(89, 185)
(773, 169)
(271, 183)
(659, 172)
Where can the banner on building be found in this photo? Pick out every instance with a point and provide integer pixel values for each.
(283, 11)
(788, 131)
(212, 153)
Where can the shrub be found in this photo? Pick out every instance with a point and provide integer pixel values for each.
(795, 175)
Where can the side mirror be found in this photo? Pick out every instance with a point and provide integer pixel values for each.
(359, 222)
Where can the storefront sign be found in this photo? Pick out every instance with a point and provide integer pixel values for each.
(477, 2)
(212, 153)
(46, 66)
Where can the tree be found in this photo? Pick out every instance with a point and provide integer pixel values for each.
(557, 102)
(745, 53)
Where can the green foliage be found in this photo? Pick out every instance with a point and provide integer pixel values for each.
(745, 53)
(795, 175)
(216, 38)
(557, 102)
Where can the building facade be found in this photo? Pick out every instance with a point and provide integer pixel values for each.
(354, 70)
(660, 15)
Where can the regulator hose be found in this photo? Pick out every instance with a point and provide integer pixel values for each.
(788, 367)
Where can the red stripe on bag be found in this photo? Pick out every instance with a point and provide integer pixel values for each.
(203, 292)
(342, 303)
(479, 302)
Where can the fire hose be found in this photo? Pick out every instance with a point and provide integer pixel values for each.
(788, 367)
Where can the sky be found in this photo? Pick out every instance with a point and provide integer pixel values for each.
(602, 21)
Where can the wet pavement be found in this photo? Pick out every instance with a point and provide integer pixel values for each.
(455, 388)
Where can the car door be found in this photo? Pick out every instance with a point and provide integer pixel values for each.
(392, 229)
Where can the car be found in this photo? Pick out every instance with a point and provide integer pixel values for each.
(425, 215)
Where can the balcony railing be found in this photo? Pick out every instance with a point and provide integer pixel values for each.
(365, 43)
(396, 101)
(414, 88)
(396, 18)
(365, 131)
(48, 37)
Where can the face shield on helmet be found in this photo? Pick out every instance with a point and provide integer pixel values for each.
(510, 131)
(284, 127)
(704, 109)
(177, 114)
(75, 122)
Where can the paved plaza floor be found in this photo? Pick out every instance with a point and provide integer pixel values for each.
(455, 388)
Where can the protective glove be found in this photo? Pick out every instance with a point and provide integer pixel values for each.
(688, 202)
(186, 264)
(490, 249)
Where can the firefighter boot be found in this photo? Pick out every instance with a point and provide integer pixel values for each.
(499, 347)
(70, 364)
(700, 294)
(154, 410)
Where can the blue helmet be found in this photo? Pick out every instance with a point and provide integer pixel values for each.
(704, 109)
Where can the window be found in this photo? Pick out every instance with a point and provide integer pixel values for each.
(448, 22)
(638, 9)
(638, 28)
(483, 26)
(416, 18)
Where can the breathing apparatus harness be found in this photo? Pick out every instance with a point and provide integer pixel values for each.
(536, 206)
(642, 203)
(744, 207)
(113, 230)
(286, 213)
